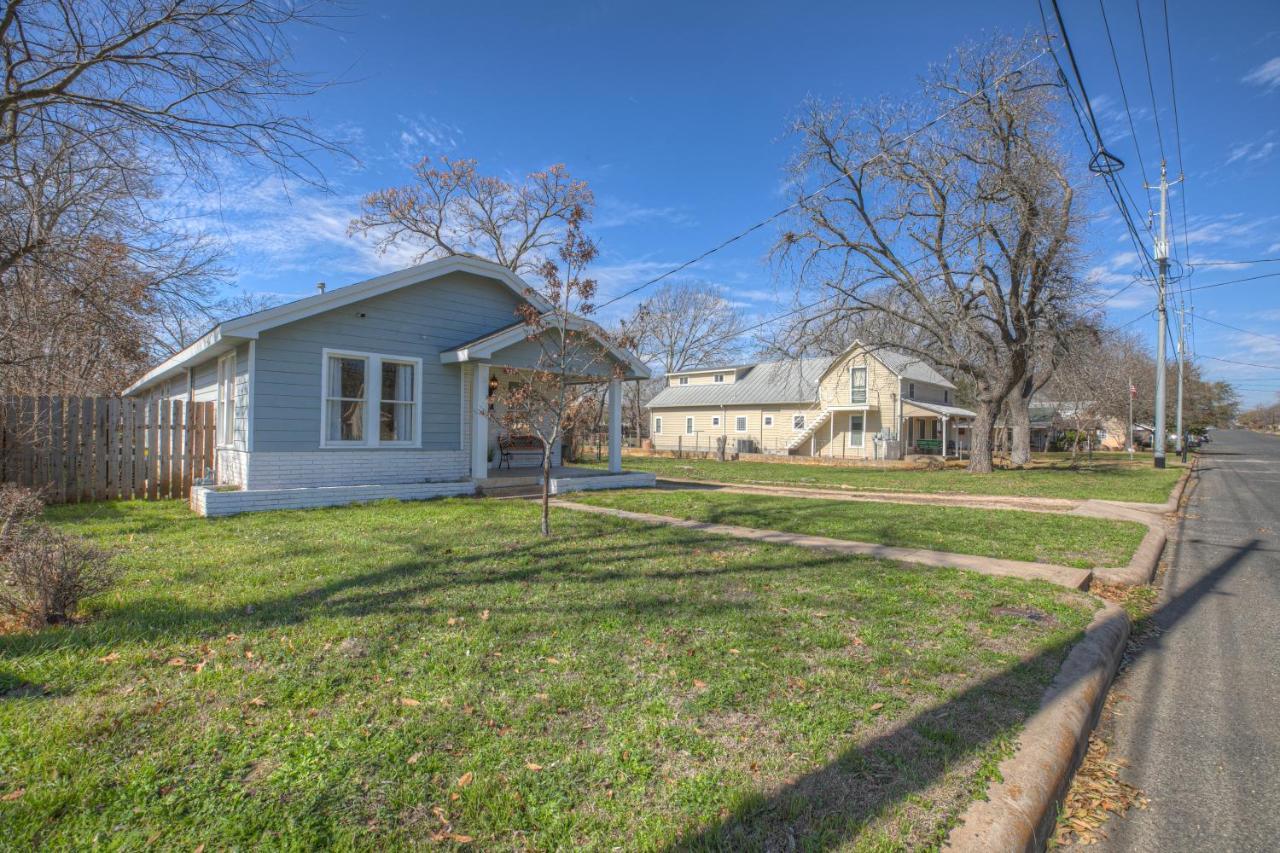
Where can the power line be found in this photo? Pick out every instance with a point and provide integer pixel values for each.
(1238, 329)
(1233, 281)
(805, 197)
(1243, 363)
(1234, 263)
(1124, 96)
(1102, 162)
(1151, 86)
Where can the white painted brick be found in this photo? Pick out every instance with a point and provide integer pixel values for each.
(209, 502)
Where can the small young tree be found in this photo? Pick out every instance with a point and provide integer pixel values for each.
(550, 395)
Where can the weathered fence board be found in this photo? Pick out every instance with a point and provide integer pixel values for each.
(86, 448)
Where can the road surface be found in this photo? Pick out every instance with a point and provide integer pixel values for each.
(1199, 721)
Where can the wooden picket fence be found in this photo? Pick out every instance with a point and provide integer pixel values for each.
(99, 448)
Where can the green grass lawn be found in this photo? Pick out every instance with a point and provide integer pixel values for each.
(1067, 540)
(1109, 478)
(395, 674)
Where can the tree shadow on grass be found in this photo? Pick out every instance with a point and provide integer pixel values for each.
(827, 807)
(406, 587)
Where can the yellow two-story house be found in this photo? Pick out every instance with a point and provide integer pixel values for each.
(869, 402)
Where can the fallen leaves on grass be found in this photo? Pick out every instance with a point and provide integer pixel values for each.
(534, 767)
(409, 702)
(1096, 793)
(465, 779)
(15, 794)
(111, 658)
(413, 759)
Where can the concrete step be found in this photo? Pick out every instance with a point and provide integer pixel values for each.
(517, 491)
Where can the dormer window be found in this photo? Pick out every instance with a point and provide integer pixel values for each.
(719, 377)
(684, 380)
(911, 390)
(946, 396)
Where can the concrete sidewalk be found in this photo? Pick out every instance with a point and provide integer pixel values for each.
(1062, 575)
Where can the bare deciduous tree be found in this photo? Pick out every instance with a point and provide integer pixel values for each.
(962, 225)
(453, 209)
(100, 99)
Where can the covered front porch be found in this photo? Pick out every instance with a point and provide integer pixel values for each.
(936, 428)
(503, 456)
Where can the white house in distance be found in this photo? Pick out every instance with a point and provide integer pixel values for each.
(866, 403)
(381, 389)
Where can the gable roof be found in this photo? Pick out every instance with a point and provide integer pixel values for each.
(486, 346)
(765, 383)
(227, 334)
(788, 381)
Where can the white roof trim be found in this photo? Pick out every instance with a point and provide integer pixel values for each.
(485, 348)
(248, 326)
(210, 344)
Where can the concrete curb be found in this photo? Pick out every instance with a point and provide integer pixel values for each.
(1175, 496)
(1021, 809)
(1067, 576)
(1142, 566)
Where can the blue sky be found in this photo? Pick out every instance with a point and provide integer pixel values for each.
(677, 115)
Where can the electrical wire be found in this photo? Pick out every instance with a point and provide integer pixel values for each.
(1151, 86)
(822, 188)
(1233, 281)
(1238, 329)
(1124, 97)
(1243, 363)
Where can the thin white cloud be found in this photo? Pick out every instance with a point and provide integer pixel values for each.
(1251, 152)
(614, 213)
(1266, 75)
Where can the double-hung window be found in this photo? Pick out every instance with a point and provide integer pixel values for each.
(688, 426)
(370, 400)
(740, 423)
(856, 430)
(657, 426)
(858, 385)
(226, 412)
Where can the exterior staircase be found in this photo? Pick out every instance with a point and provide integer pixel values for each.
(812, 427)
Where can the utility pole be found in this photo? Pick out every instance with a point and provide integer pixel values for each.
(1182, 347)
(1162, 325)
(1133, 392)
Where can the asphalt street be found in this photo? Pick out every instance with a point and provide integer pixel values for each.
(1199, 716)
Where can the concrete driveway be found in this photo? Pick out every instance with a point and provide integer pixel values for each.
(1199, 715)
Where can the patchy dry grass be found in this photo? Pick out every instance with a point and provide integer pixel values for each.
(395, 674)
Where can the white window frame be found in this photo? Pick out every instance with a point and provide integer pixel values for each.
(683, 380)
(715, 420)
(862, 432)
(768, 420)
(798, 422)
(719, 377)
(373, 400)
(657, 426)
(911, 390)
(688, 425)
(853, 371)
(740, 423)
(225, 427)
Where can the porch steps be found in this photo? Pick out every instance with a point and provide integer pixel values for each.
(516, 491)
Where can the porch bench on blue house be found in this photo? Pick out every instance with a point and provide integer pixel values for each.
(511, 445)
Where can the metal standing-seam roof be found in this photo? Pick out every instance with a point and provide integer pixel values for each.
(765, 383)
(789, 381)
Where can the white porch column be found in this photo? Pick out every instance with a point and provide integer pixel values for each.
(944, 436)
(479, 421)
(615, 426)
